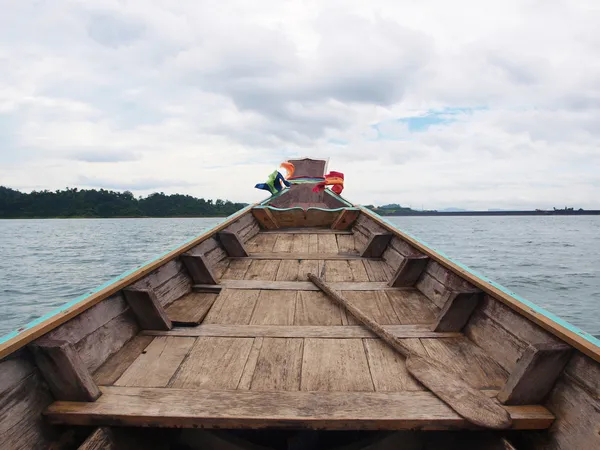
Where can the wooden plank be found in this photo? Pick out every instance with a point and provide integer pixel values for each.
(174, 288)
(535, 314)
(274, 308)
(359, 273)
(191, 309)
(535, 374)
(388, 368)
(337, 271)
(232, 243)
(250, 366)
(283, 244)
(373, 304)
(456, 312)
(318, 217)
(236, 269)
(183, 408)
(64, 371)
(232, 307)
(316, 255)
(259, 241)
(377, 270)
(463, 358)
(376, 245)
(147, 309)
(288, 270)
(300, 243)
(345, 219)
(313, 244)
(32, 332)
(278, 365)
(306, 286)
(335, 365)
(314, 308)
(346, 243)
(265, 217)
(306, 230)
(214, 363)
(586, 372)
(199, 269)
(412, 307)
(100, 439)
(284, 331)
(327, 244)
(113, 368)
(309, 266)
(107, 340)
(155, 366)
(249, 232)
(409, 271)
(263, 269)
(432, 289)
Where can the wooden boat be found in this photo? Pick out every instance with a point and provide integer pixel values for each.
(226, 343)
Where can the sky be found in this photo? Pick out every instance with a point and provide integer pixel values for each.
(429, 104)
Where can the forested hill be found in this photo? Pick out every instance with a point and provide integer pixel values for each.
(102, 203)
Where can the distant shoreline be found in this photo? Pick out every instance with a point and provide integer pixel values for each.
(591, 212)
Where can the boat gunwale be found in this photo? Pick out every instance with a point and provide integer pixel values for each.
(574, 336)
(17, 339)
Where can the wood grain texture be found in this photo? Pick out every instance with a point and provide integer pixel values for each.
(288, 270)
(148, 311)
(317, 331)
(306, 230)
(232, 307)
(327, 243)
(300, 243)
(236, 269)
(155, 366)
(412, 307)
(335, 365)
(64, 371)
(100, 439)
(300, 285)
(314, 308)
(456, 311)
(463, 358)
(309, 266)
(183, 408)
(432, 289)
(274, 308)
(250, 366)
(345, 219)
(66, 314)
(535, 374)
(199, 269)
(346, 243)
(283, 243)
(357, 268)
(409, 271)
(231, 242)
(262, 270)
(191, 309)
(338, 271)
(373, 304)
(265, 218)
(214, 363)
(262, 242)
(376, 245)
(377, 270)
(113, 368)
(586, 372)
(388, 368)
(278, 365)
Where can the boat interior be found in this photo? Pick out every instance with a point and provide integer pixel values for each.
(226, 343)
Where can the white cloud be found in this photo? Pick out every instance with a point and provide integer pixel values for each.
(206, 98)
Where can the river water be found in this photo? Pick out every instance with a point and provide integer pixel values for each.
(553, 261)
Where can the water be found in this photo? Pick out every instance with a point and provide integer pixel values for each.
(553, 261)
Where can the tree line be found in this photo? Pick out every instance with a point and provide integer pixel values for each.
(73, 202)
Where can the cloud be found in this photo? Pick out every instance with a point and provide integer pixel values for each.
(416, 103)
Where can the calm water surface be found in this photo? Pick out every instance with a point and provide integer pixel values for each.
(552, 261)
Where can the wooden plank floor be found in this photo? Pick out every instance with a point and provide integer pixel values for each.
(269, 330)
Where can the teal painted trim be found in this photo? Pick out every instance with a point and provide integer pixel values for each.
(71, 303)
(527, 303)
(274, 208)
(307, 180)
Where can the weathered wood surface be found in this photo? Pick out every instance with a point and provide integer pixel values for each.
(265, 218)
(114, 366)
(388, 367)
(325, 360)
(234, 247)
(345, 219)
(456, 311)
(184, 408)
(290, 331)
(100, 439)
(199, 370)
(411, 306)
(148, 311)
(64, 371)
(306, 230)
(263, 269)
(274, 308)
(155, 366)
(169, 282)
(278, 365)
(460, 396)
(191, 309)
(409, 271)
(254, 284)
(314, 308)
(232, 307)
(23, 397)
(376, 245)
(199, 269)
(535, 374)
